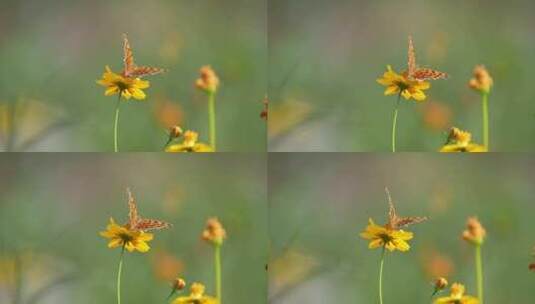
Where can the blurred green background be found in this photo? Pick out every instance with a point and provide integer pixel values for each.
(319, 204)
(52, 52)
(52, 208)
(325, 58)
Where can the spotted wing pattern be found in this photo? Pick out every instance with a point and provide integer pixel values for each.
(151, 224)
(130, 68)
(395, 221)
(135, 222)
(420, 74)
(128, 56)
(411, 58)
(145, 71)
(428, 74)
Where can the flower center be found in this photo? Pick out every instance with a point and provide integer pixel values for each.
(386, 237)
(125, 237)
(121, 85)
(402, 85)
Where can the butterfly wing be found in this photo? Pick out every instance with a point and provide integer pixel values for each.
(411, 58)
(151, 224)
(133, 216)
(128, 57)
(392, 210)
(406, 221)
(422, 74)
(145, 71)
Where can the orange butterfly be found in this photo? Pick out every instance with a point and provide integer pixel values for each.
(395, 221)
(130, 68)
(420, 74)
(135, 222)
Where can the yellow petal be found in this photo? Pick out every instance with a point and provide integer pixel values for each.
(129, 246)
(114, 243)
(137, 93)
(391, 90)
(390, 246)
(401, 245)
(126, 94)
(406, 94)
(384, 81)
(375, 244)
(142, 84)
(111, 91)
(418, 95)
(403, 235)
(422, 85)
(146, 236)
(141, 246)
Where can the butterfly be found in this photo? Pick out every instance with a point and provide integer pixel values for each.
(130, 68)
(395, 221)
(420, 74)
(135, 222)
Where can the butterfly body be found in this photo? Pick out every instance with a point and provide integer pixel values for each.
(420, 74)
(135, 222)
(130, 69)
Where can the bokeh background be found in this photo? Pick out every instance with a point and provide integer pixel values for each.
(52, 208)
(319, 204)
(325, 57)
(52, 52)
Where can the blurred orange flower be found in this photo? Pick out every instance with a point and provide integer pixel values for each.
(166, 266)
(436, 116)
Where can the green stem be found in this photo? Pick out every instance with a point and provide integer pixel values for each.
(381, 276)
(119, 276)
(479, 274)
(394, 124)
(170, 295)
(217, 265)
(485, 108)
(211, 120)
(115, 137)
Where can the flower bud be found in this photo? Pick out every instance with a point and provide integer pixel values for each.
(481, 80)
(208, 81)
(214, 232)
(179, 284)
(175, 132)
(474, 233)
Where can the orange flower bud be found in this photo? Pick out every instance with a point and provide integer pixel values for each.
(214, 232)
(474, 233)
(208, 81)
(481, 80)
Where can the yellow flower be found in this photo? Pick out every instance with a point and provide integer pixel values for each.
(457, 296)
(214, 231)
(388, 238)
(190, 144)
(128, 87)
(461, 141)
(396, 83)
(196, 296)
(208, 81)
(482, 81)
(122, 236)
(475, 232)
